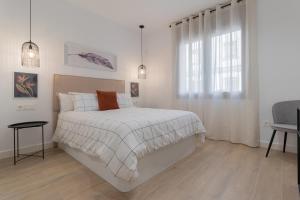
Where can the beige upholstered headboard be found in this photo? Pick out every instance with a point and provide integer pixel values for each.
(68, 83)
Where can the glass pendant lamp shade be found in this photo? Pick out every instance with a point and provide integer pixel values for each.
(30, 51)
(142, 72)
(30, 55)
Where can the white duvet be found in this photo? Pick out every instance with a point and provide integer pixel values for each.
(121, 137)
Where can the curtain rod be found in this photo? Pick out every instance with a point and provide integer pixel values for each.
(211, 10)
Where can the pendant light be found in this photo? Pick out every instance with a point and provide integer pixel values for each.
(142, 68)
(30, 51)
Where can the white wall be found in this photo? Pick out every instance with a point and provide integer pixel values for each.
(278, 58)
(54, 22)
(158, 90)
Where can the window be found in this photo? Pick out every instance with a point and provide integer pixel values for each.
(191, 69)
(222, 72)
(226, 63)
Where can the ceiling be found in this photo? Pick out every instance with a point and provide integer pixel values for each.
(153, 14)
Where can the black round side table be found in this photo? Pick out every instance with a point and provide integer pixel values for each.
(24, 125)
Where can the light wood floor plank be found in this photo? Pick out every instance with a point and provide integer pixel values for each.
(215, 171)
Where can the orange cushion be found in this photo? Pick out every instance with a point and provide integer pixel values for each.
(107, 100)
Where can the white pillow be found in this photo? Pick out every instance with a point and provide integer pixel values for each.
(124, 100)
(85, 101)
(65, 102)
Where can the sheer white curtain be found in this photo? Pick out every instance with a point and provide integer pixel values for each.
(215, 71)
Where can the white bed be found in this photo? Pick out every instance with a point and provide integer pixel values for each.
(128, 146)
(149, 166)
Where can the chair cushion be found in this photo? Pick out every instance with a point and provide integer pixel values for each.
(285, 128)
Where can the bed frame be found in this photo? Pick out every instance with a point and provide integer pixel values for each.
(149, 166)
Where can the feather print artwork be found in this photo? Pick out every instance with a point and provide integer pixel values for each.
(96, 59)
(79, 56)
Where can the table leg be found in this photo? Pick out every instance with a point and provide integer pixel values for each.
(14, 146)
(298, 160)
(43, 142)
(18, 152)
(298, 147)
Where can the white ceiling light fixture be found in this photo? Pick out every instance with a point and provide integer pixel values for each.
(142, 72)
(30, 51)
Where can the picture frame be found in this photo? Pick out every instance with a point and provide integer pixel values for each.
(134, 89)
(77, 55)
(25, 85)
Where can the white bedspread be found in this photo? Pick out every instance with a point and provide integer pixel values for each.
(121, 137)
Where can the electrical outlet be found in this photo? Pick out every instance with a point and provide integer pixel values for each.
(267, 124)
(28, 107)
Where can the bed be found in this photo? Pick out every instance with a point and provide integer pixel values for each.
(127, 146)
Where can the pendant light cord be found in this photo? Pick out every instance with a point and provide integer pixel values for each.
(142, 45)
(30, 20)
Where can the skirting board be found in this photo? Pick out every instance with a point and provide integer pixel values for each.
(279, 147)
(26, 149)
(32, 148)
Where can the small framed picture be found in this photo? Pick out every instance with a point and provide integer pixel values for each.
(25, 85)
(134, 89)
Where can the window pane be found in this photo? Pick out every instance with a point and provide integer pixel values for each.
(227, 63)
(191, 69)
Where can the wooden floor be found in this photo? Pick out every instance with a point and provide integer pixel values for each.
(216, 170)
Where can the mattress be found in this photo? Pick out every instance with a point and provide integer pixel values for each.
(121, 137)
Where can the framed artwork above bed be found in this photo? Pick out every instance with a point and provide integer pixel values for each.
(77, 55)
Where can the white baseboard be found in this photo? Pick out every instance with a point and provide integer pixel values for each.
(33, 148)
(26, 149)
(277, 146)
